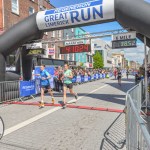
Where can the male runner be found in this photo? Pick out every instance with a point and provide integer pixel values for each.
(45, 76)
(67, 78)
(119, 77)
(127, 73)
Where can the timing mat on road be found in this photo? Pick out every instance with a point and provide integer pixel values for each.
(69, 106)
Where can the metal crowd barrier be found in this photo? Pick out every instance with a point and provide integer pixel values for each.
(9, 90)
(137, 135)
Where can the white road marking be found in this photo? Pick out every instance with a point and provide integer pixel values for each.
(31, 120)
(80, 97)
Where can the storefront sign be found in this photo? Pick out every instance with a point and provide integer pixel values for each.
(90, 65)
(83, 13)
(33, 45)
(51, 51)
(72, 63)
(36, 52)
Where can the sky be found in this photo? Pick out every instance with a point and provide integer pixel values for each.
(136, 54)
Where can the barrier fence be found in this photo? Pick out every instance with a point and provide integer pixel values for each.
(12, 90)
(9, 90)
(137, 135)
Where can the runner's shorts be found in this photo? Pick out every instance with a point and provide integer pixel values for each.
(118, 77)
(69, 86)
(45, 87)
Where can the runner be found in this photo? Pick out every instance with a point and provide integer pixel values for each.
(127, 73)
(115, 73)
(45, 85)
(119, 77)
(67, 78)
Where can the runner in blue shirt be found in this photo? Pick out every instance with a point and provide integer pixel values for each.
(45, 84)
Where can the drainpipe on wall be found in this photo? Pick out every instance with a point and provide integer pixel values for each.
(3, 13)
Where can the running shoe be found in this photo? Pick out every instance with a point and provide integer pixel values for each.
(53, 100)
(76, 96)
(64, 105)
(41, 105)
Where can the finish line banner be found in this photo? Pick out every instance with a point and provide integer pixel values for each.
(83, 13)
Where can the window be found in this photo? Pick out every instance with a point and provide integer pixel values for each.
(42, 8)
(52, 45)
(67, 36)
(31, 10)
(59, 33)
(53, 34)
(15, 6)
(46, 33)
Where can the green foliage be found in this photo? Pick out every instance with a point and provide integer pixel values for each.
(81, 64)
(98, 60)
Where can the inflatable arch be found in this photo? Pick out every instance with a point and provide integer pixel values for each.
(131, 14)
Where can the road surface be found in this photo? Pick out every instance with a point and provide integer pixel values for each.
(54, 128)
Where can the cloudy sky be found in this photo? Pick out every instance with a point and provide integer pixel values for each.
(136, 54)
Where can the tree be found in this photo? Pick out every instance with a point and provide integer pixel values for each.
(98, 60)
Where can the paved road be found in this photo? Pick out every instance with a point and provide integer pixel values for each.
(54, 128)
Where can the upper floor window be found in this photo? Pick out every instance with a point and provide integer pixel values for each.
(59, 33)
(53, 34)
(31, 10)
(15, 6)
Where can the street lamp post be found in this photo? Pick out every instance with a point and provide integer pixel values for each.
(146, 79)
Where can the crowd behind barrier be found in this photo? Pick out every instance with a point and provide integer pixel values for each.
(16, 90)
(32, 87)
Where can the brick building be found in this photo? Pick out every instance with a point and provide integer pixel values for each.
(13, 11)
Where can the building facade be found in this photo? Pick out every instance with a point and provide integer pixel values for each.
(81, 58)
(104, 49)
(55, 46)
(69, 34)
(118, 60)
(14, 11)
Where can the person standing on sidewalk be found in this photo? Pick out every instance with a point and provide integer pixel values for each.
(45, 85)
(67, 79)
